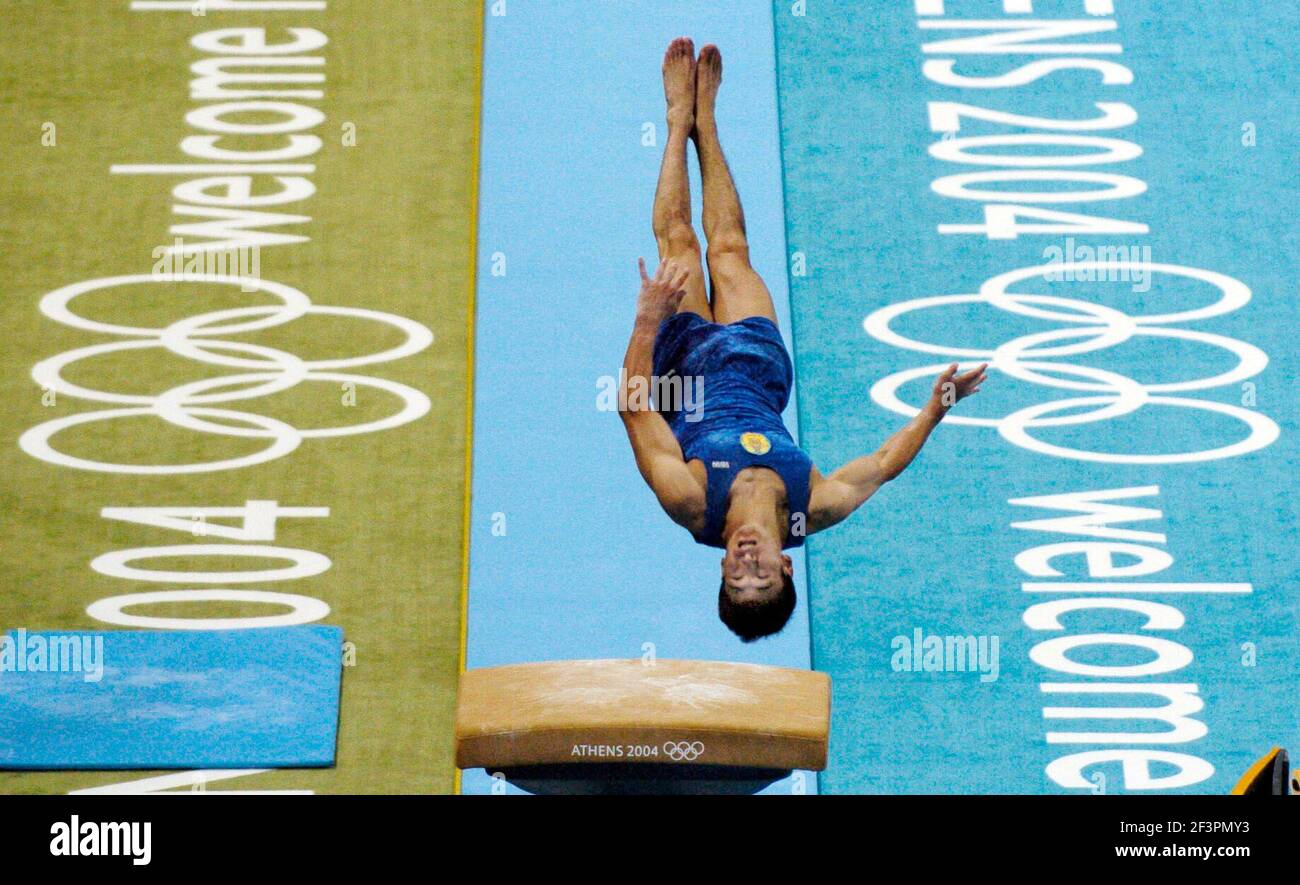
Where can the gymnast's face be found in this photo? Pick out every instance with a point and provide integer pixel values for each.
(753, 567)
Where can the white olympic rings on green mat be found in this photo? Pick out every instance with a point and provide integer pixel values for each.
(190, 406)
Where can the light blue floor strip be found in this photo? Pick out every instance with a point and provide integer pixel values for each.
(570, 556)
(1214, 89)
(143, 699)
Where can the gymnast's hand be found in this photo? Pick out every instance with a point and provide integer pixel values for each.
(660, 296)
(950, 387)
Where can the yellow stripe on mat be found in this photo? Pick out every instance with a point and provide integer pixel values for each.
(469, 365)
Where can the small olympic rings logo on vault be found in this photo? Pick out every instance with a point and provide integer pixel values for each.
(683, 751)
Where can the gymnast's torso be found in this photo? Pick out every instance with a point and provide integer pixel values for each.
(737, 427)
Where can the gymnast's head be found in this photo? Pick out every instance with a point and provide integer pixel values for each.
(757, 595)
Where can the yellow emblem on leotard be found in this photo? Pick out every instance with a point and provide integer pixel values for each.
(755, 443)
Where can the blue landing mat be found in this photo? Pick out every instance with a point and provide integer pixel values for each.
(262, 698)
(570, 556)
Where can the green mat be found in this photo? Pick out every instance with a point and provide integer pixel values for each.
(87, 85)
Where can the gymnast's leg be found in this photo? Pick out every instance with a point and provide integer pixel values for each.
(672, 208)
(738, 292)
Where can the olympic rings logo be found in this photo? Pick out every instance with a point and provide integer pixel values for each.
(1092, 327)
(683, 751)
(197, 405)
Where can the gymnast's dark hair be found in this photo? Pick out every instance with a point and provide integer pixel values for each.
(754, 620)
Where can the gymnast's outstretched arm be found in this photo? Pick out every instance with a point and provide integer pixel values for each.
(658, 454)
(834, 497)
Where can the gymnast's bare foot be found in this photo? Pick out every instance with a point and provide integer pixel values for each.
(679, 82)
(708, 76)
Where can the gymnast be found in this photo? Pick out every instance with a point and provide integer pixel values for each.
(731, 474)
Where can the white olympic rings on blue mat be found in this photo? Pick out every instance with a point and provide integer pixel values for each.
(1096, 327)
